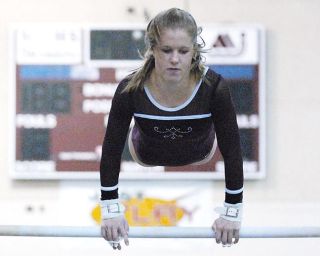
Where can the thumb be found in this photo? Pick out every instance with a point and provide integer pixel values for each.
(214, 226)
(126, 240)
(124, 234)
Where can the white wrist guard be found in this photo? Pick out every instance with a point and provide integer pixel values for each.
(231, 212)
(111, 208)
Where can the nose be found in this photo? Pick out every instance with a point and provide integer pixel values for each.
(174, 58)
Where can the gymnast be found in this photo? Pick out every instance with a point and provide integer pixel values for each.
(182, 110)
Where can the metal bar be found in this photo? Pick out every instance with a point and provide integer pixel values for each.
(158, 232)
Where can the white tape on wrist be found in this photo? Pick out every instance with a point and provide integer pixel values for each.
(111, 208)
(231, 212)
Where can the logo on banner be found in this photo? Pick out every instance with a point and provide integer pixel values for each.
(223, 41)
(148, 211)
(228, 44)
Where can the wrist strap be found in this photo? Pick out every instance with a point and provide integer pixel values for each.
(231, 212)
(111, 208)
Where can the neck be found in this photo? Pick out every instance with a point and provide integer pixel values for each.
(171, 94)
(171, 86)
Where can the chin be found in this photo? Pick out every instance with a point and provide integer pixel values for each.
(174, 79)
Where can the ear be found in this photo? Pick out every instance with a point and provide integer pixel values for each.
(149, 53)
(194, 57)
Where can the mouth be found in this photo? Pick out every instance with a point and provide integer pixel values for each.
(173, 69)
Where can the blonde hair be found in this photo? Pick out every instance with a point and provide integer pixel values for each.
(173, 18)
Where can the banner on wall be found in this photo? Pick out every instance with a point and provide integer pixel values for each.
(64, 78)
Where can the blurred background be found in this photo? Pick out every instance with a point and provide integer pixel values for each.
(282, 191)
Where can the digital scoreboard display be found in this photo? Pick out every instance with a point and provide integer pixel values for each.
(64, 82)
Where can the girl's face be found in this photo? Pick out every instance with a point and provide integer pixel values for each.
(173, 56)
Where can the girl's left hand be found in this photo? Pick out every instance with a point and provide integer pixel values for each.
(227, 232)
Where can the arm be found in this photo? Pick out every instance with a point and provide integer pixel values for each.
(114, 226)
(116, 133)
(225, 121)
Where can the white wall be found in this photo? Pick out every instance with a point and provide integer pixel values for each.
(293, 104)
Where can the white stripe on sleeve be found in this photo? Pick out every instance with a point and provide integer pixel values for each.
(109, 188)
(233, 192)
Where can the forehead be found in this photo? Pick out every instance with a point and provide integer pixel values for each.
(175, 38)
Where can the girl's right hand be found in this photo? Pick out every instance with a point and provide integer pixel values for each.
(115, 229)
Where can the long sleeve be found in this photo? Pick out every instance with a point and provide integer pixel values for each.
(225, 122)
(116, 133)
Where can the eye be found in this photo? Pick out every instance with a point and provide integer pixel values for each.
(166, 50)
(183, 51)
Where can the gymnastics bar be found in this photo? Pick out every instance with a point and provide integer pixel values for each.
(158, 232)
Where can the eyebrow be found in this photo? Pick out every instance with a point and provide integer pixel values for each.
(181, 47)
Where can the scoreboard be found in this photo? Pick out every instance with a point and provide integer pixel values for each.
(64, 77)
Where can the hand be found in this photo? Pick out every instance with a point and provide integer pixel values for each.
(115, 229)
(226, 231)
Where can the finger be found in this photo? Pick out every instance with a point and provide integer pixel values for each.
(214, 226)
(109, 234)
(224, 237)
(114, 246)
(236, 236)
(229, 237)
(126, 226)
(218, 235)
(124, 234)
(115, 236)
(103, 233)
